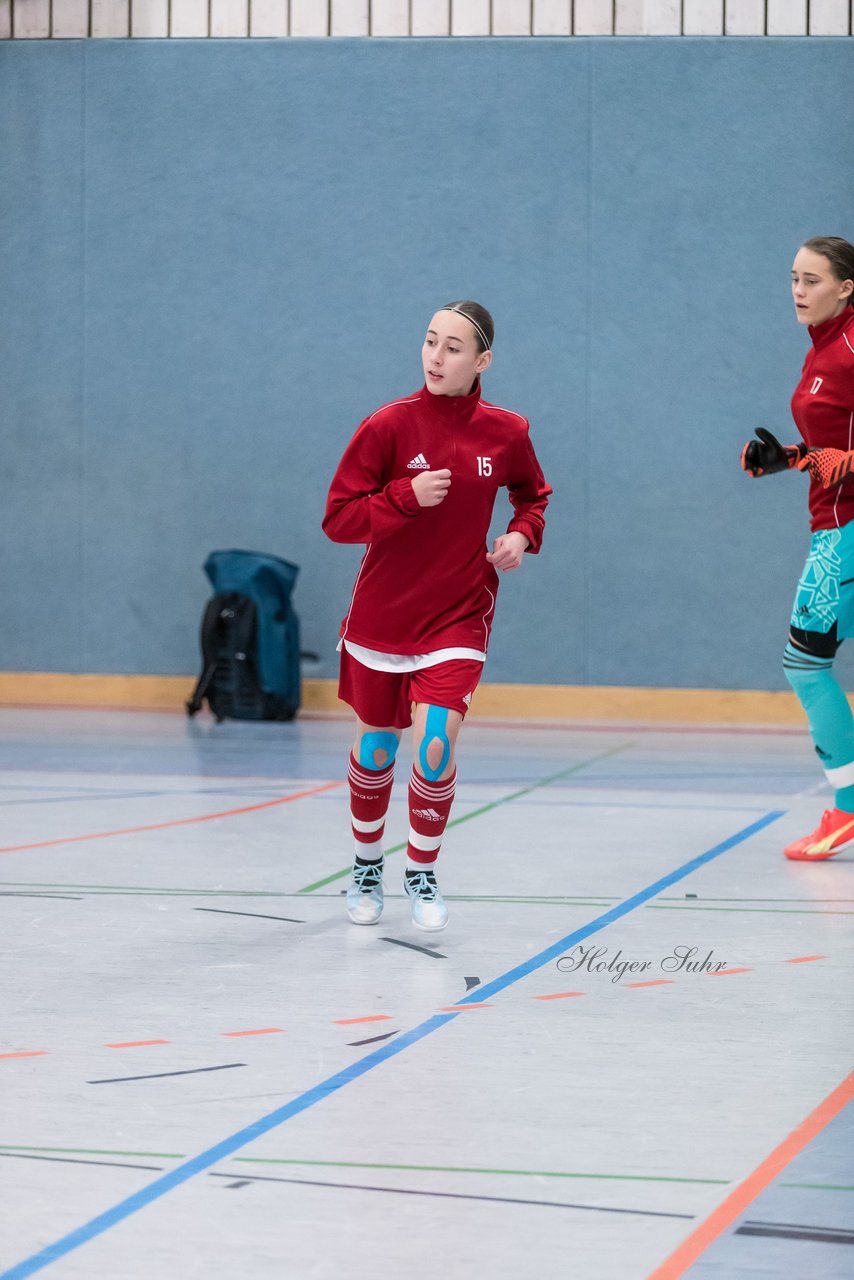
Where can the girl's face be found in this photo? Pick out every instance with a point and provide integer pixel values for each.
(817, 294)
(450, 356)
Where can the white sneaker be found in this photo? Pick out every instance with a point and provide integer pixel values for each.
(365, 892)
(428, 906)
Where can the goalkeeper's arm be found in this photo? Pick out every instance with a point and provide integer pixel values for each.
(828, 466)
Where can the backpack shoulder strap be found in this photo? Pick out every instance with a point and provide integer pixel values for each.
(245, 620)
(209, 630)
(209, 627)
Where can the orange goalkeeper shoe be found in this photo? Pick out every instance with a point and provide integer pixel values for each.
(835, 830)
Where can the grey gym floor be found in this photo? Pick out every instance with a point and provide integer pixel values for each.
(208, 1071)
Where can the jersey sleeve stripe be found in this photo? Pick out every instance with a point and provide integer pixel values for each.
(488, 405)
(383, 407)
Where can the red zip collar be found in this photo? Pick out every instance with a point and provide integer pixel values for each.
(831, 329)
(452, 409)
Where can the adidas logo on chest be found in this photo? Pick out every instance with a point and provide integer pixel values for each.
(418, 463)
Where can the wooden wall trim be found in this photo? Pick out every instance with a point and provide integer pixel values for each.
(524, 701)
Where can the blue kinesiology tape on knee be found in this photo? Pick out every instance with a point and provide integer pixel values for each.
(436, 727)
(370, 743)
(821, 696)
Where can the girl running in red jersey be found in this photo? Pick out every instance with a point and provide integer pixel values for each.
(823, 613)
(417, 484)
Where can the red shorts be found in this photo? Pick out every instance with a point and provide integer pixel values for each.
(384, 698)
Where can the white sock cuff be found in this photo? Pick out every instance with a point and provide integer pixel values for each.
(431, 792)
(841, 777)
(372, 852)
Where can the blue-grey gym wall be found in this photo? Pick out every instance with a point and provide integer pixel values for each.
(216, 258)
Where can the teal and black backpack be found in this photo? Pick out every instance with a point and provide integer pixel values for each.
(250, 639)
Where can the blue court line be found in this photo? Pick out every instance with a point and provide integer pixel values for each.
(622, 908)
(175, 1177)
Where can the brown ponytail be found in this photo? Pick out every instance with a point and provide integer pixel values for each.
(840, 255)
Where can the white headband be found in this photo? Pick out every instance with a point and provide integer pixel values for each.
(470, 319)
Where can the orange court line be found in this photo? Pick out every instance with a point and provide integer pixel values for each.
(262, 1031)
(464, 1008)
(178, 822)
(374, 1017)
(743, 1196)
(386, 1017)
(654, 982)
(560, 995)
(134, 1044)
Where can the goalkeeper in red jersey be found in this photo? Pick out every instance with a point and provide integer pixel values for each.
(823, 613)
(417, 484)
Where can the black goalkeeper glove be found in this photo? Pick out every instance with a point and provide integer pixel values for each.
(765, 456)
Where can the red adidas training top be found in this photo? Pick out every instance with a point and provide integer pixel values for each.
(823, 409)
(424, 582)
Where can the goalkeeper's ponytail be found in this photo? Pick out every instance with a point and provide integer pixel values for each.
(840, 255)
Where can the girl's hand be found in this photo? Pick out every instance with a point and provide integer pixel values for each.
(507, 551)
(431, 487)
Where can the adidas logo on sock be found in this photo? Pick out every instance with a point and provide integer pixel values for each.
(418, 463)
(427, 813)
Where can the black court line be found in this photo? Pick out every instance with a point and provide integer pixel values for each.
(791, 1231)
(437, 955)
(458, 1195)
(108, 1164)
(235, 1186)
(373, 1039)
(221, 911)
(161, 1075)
(472, 982)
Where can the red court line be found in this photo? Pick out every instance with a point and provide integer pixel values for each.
(386, 1017)
(178, 822)
(374, 1017)
(654, 982)
(744, 1194)
(560, 995)
(640, 726)
(134, 1044)
(262, 1031)
(87, 706)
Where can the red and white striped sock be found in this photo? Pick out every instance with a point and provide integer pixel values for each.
(429, 807)
(370, 793)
